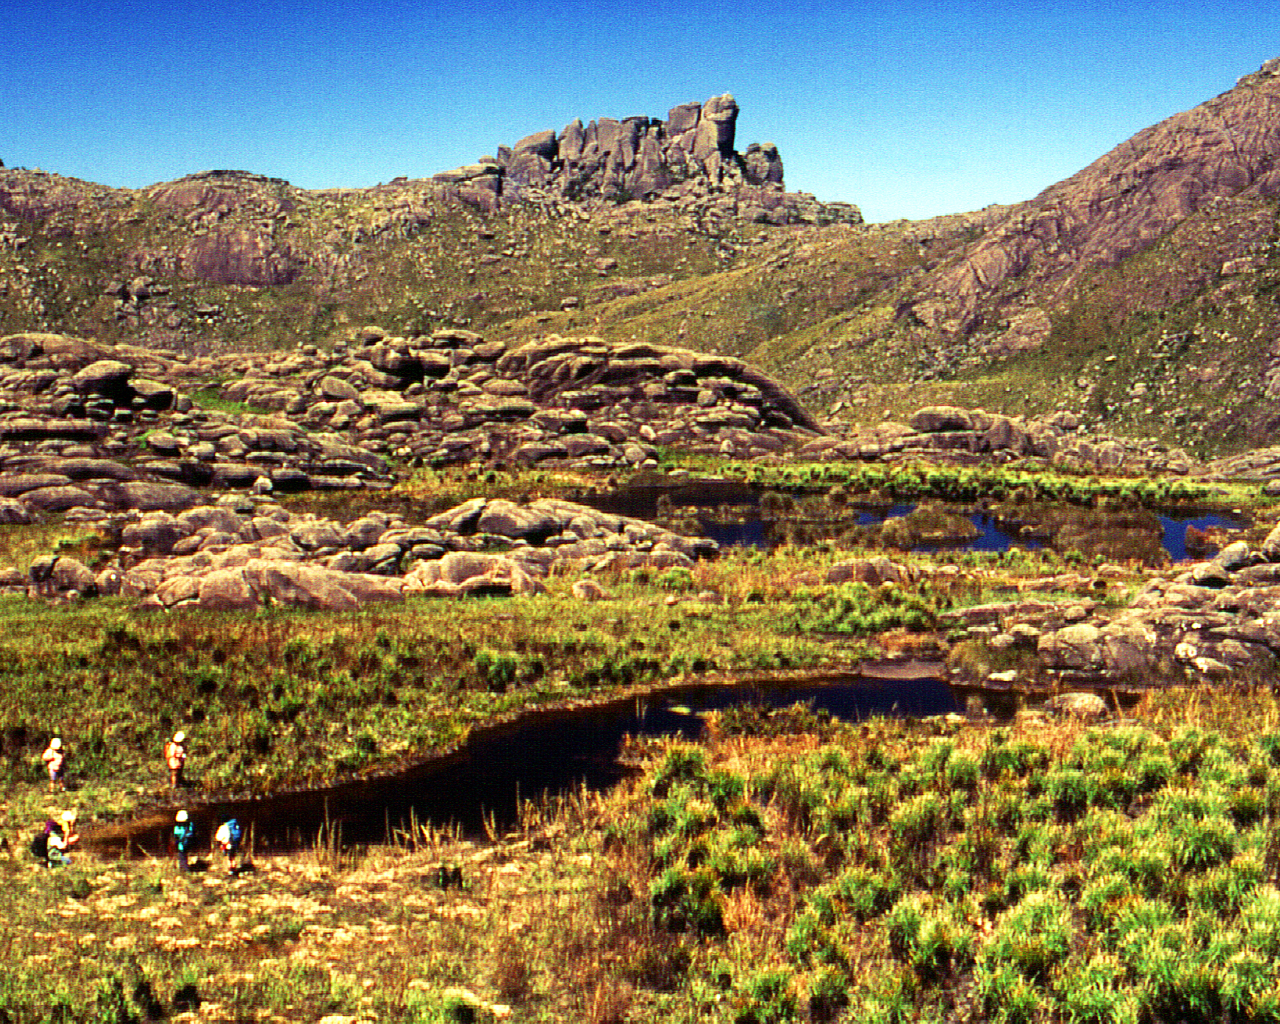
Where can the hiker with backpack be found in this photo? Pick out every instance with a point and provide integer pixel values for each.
(175, 758)
(55, 761)
(228, 840)
(183, 832)
(52, 842)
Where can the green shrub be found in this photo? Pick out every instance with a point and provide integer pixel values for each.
(929, 935)
(933, 758)
(676, 578)
(1103, 897)
(1017, 759)
(1068, 788)
(859, 608)
(1097, 992)
(864, 892)
(724, 789)
(796, 794)
(1247, 805)
(1138, 922)
(1189, 746)
(685, 901)
(1197, 845)
(1260, 919)
(810, 940)
(1154, 771)
(1007, 996)
(679, 764)
(918, 820)
(769, 999)
(1224, 888)
(828, 994)
(1032, 936)
(1269, 746)
(1021, 881)
(963, 771)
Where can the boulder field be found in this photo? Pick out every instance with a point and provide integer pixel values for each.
(121, 427)
(178, 460)
(82, 423)
(1205, 622)
(242, 554)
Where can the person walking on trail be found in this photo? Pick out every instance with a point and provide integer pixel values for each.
(228, 840)
(183, 831)
(55, 762)
(175, 758)
(52, 843)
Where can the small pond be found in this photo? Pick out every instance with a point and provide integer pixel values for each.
(545, 752)
(731, 513)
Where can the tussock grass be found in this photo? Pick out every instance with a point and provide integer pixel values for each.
(887, 871)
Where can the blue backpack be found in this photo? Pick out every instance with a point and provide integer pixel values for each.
(233, 830)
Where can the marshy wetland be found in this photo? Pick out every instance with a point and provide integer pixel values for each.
(879, 857)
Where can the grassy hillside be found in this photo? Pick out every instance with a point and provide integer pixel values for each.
(788, 869)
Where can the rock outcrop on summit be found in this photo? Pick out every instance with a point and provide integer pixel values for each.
(638, 156)
(689, 152)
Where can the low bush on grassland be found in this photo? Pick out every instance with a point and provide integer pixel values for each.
(1099, 874)
(885, 871)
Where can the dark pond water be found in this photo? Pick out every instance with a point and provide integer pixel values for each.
(729, 513)
(1175, 529)
(551, 752)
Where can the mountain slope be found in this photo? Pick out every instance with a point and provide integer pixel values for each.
(1139, 294)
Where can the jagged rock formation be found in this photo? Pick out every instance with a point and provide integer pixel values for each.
(689, 153)
(641, 156)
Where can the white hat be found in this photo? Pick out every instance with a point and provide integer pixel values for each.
(68, 816)
(179, 736)
(182, 816)
(55, 743)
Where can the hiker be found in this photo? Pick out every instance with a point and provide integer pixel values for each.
(51, 843)
(175, 757)
(228, 839)
(183, 830)
(55, 760)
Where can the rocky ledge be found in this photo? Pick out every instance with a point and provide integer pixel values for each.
(1208, 622)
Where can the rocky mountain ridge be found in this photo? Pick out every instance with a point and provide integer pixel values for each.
(1219, 152)
(1137, 295)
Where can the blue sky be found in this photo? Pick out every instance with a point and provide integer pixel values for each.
(908, 109)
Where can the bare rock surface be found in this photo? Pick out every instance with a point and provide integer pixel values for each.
(1204, 622)
(1119, 205)
(242, 555)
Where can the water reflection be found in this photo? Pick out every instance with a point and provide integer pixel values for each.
(738, 515)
